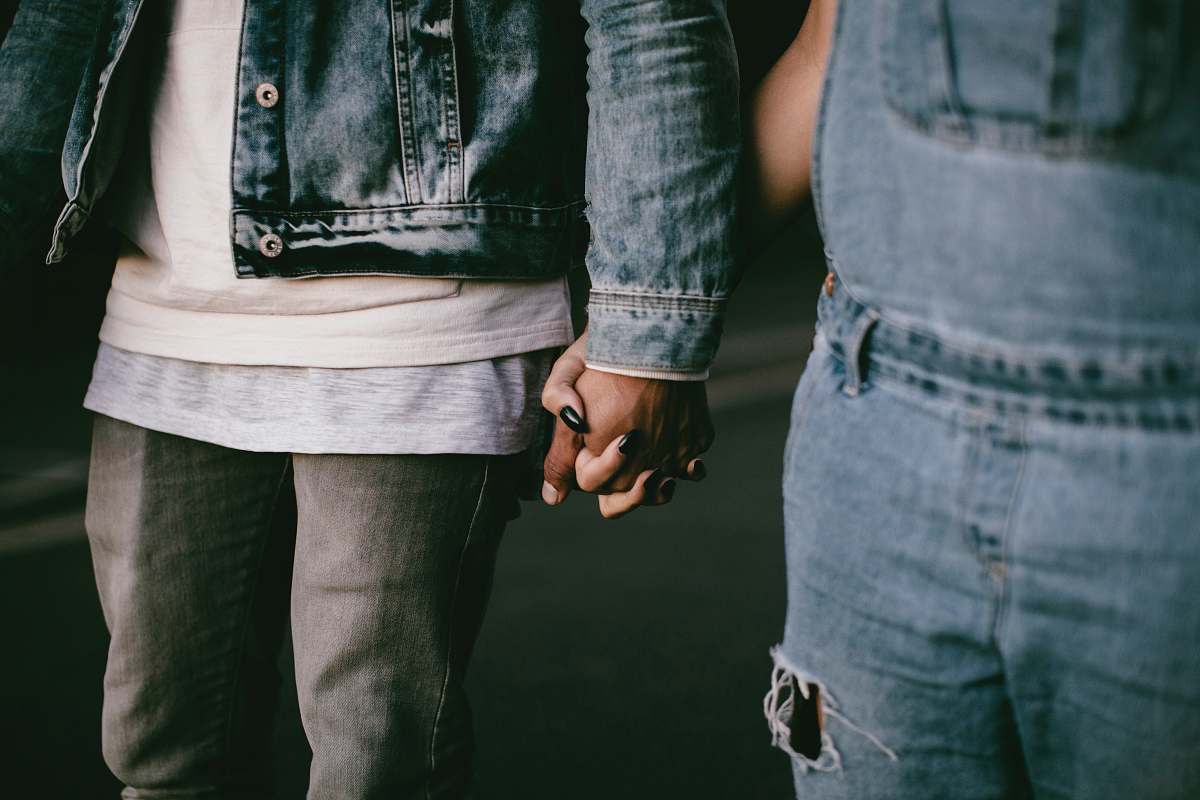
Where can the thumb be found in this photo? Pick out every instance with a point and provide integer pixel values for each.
(559, 396)
(559, 466)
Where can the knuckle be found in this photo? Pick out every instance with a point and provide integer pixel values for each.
(556, 470)
(555, 395)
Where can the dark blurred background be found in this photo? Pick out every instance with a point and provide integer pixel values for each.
(618, 659)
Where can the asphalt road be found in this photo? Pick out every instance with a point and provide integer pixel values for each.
(620, 658)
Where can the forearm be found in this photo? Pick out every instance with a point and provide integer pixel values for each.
(783, 119)
(663, 157)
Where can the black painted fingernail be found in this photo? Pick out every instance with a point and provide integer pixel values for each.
(699, 471)
(572, 420)
(652, 482)
(629, 442)
(668, 490)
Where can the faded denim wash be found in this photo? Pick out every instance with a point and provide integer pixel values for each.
(470, 139)
(1021, 171)
(991, 476)
(386, 563)
(41, 60)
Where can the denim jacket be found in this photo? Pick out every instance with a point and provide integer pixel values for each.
(472, 139)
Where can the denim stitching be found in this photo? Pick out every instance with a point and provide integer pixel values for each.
(902, 326)
(649, 300)
(412, 114)
(1131, 412)
(233, 136)
(404, 155)
(452, 106)
(856, 363)
(1002, 598)
(822, 118)
(1100, 413)
(478, 207)
(970, 474)
(950, 124)
(462, 557)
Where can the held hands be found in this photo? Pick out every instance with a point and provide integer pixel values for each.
(623, 438)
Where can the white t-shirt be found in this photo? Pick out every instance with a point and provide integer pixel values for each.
(175, 294)
(320, 365)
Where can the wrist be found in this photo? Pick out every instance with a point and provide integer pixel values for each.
(651, 373)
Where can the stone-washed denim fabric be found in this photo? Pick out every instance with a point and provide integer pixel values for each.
(386, 564)
(470, 139)
(991, 560)
(994, 462)
(1024, 171)
(41, 63)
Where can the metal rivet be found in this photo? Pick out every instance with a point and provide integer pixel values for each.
(267, 95)
(270, 245)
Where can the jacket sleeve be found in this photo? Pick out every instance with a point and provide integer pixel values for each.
(42, 62)
(662, 162)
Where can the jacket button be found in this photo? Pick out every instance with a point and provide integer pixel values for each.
(830, 281)
(267, 95)
(270, 245)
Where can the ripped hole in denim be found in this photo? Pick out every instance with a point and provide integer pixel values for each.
(797, 709)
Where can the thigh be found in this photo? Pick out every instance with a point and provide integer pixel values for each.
(1102, 626)
(394, 563)
(189, 581)
(891, 604)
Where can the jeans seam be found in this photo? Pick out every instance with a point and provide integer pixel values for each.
(237, 669)
(801, 410)
(1002, 595)
(462, 557)
(963, 499)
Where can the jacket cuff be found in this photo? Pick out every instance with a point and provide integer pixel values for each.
(652, 374)
(665, 333)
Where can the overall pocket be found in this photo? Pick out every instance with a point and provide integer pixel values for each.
(1059, 77)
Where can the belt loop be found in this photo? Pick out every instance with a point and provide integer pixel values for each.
(855, 357)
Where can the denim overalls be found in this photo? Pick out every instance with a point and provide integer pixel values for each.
(994, 460)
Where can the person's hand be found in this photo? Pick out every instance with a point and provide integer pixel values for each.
(623, 438)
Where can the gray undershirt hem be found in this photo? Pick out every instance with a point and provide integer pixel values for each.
(488, 407)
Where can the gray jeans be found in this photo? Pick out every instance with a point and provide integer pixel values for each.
(386, 563)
